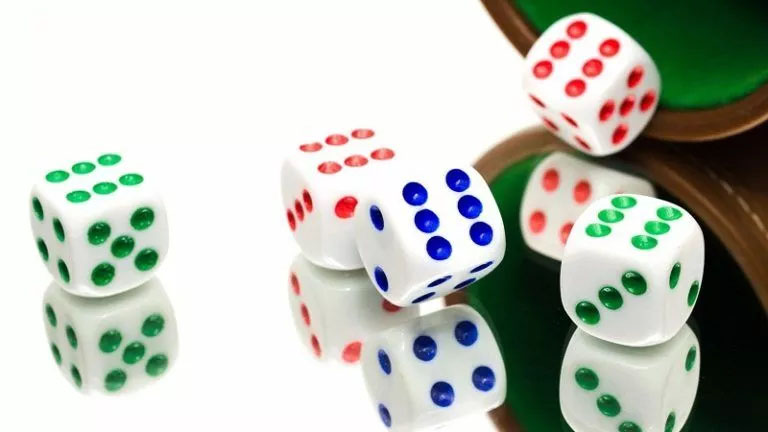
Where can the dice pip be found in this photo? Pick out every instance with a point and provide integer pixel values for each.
(100, 227)
(592, 84)
(607, 387)
(434, 369)
(321, 186)
(632, 269)
(335, 311)
(559, 189)
(115, 344)
(426, 233)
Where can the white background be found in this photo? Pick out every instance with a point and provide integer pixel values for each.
(211, 95)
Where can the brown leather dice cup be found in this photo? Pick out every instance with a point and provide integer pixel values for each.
(710, 55)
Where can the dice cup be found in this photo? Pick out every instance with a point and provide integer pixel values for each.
(711, 56)
(723, 183)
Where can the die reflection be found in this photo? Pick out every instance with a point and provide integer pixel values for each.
(560, 188)
(334, 311)
(606, 387)
(434, 369)
(420, 372)
(112, 345)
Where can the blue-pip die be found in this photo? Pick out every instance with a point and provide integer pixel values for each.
(429, 233)
(434, 369)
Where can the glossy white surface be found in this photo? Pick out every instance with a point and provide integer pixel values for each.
(653, 308)
(577, 117)
(335, 311)
(434, 369)
(212, 96)
(99, 338)
(560, 188)
(648, 383)
(81, 256)
(428, 245)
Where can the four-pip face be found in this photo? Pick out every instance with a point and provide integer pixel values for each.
(434, 369)
(321, 186)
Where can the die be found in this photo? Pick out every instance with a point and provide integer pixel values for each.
(426, 233)
(321, 186)
(592, 84)
(559, 189)
(632, 269)
(100, 227)
(434, 369)
(335, 311)
(607, 387)
(115, 344)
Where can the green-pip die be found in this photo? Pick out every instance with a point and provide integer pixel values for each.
(608, 387)
(99, 226)
(632, 269)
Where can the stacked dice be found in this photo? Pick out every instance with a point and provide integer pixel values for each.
(101, 231)
(379, 235)
(631, 264)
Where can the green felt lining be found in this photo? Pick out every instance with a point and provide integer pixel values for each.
(710, 53)
(521, 302)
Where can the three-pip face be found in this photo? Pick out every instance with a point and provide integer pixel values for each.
(632, 269)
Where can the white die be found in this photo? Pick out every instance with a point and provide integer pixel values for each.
(115, 344)
(425, 233)
(100, 226)
(434, 369)
(321, 187)
(607, 387)
(335, 311)
(559, 189)
(593, 85)
(632, 269)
